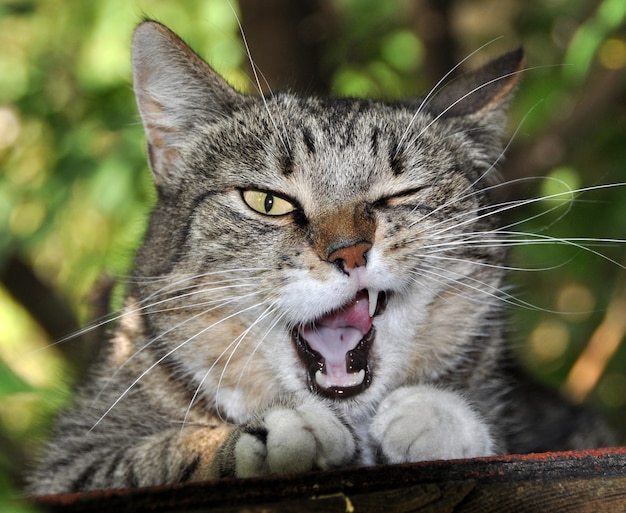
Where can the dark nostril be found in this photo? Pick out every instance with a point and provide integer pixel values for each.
(351, 256)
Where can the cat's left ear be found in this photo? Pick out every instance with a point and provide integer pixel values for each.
(482, 94)
(175, 90)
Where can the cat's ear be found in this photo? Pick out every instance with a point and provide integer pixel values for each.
(174, 89)
(482, 92)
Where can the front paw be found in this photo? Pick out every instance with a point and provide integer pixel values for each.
(289, 440)
(424, 423)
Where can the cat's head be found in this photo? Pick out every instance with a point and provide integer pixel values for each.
(335, 247)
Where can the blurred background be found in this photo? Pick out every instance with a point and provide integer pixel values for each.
(75, 188)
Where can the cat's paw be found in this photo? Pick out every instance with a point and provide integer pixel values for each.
(425, 423)
(292, 440)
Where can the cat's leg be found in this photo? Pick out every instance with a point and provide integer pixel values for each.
(283, 440)
(419, 423)
(106, 460)
(286, 439)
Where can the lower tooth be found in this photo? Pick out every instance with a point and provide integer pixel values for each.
(354, 379)
(358, 377)
(321, 379)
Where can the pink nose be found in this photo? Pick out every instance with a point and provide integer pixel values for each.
(351, 256)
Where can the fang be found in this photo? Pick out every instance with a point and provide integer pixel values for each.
(373, 301)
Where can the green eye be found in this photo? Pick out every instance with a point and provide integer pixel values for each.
(267, 203)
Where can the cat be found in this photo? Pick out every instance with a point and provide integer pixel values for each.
(319, 286)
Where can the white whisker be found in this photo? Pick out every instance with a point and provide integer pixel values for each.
(506, 206)
(165, 356)
(268, 310)
(503, 267)
(116, 316)
(493, 292)
(220, 304)
(284, 139)
(466, 95)
(234, 344)
(434, 89)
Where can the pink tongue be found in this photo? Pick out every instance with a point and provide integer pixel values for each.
(339, 332)
(355, 315)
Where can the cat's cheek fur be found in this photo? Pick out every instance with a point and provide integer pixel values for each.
(289, 440)
(421, 423)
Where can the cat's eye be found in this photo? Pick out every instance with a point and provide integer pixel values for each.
(409, 198)
(267, 203)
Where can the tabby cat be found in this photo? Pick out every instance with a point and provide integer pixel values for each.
(319, 286)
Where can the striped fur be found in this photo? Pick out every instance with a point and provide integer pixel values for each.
(213, 368)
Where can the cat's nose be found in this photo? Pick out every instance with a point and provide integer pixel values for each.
(351, 256)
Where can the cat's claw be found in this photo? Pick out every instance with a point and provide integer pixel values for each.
(293, 440)
(421, 423)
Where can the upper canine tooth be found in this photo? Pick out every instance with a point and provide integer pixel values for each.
(373, 301)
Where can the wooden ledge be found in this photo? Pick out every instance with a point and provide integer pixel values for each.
(584, 481)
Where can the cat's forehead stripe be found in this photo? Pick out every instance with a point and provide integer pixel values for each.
(309, 141)
(396, 159)
(374, 140)
(286, 163)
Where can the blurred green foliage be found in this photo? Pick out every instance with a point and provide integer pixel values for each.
(75, 188)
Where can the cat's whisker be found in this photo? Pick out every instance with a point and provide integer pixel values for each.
(220, 304)
(581, 243)
(469, 93)
(176, 284)
(479, 239)
(150, 308)
(493, 266)
(519, 238)
(268, 311)
(492, 166)
(462, 98)
(478, 192)
(493, 292)
(563, 197)
(164, 357)
(506, 206)
(467, 292)
(234, 344)
(268, 332)
(284, 138)
(434, 90)
(122, 312)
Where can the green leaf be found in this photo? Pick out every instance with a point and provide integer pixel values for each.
(11, 383)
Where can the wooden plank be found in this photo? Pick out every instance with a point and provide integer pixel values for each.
(586, 481)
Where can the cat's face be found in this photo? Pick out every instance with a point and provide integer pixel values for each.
(327, 247)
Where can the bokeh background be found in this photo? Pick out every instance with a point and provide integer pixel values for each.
(75, 188)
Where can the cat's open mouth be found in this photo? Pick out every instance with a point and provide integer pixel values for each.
(335, 348)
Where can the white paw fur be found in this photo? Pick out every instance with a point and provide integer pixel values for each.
(299, 439)
(425, 423)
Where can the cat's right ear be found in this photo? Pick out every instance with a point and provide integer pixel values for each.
(175, 89)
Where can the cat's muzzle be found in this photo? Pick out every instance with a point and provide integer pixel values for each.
(335, 349)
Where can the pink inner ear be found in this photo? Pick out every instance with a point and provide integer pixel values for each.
(162, 154)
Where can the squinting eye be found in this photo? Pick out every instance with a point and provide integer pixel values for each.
(267, 203)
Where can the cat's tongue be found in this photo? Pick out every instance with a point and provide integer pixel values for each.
(337, 333)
